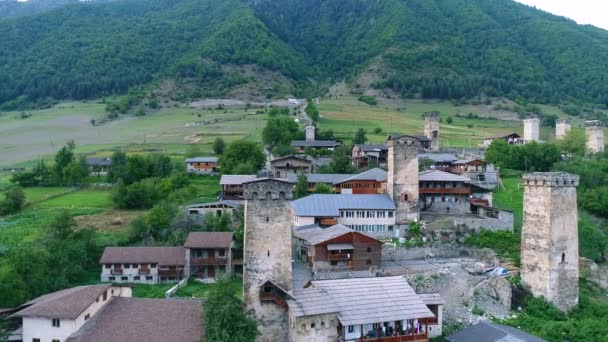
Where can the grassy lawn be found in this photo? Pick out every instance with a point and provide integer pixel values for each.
(208, 188)
(81, 199)
(195, 289)
(150, 291)
(511, 197)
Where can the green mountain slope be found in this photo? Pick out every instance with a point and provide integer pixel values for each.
(430, 48)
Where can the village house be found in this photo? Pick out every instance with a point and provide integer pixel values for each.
(284, 166)
(98, 313)
(369, 182)
(438, 161)
(209, 254)
(372, 214)
(99, 166)
(337, 248)
(202, 165)
(511, 139)
(232, 186)
(218, 208)
(444, 192)
(364, 155)
(466, 166)
(300, 146)
(150, 265)
(362, 309)
(313, 179)
(424, 142)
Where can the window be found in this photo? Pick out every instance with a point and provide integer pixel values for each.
(152, 265)
(360, 214)
(149, 277)
(105, 296)
(351, 329)
(563, 258)
(134, 266)
(390, 214)
(333, 263)
(136, 278)
(56, 340)
(56, 322)
(390, 228)
(371, 214)
(87, 316)
(124, 278)
(35, 340)
(267, 219)
(111, 278)
(369, 249)
(312, 325)
(127, 266)
(222, 252)
(381, 214)
(341, 214)
(108, 266)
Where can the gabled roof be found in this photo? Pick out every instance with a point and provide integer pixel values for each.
(317, 235)
(229, 203)
(329, 205)
(466, 161)
(360, 300)
(492, 332)
(504, 136)
(314, 143)
(420, 137)
(431, 298)
(65, 304)
(438, 157)
(202, 160)
(268, 179)
(372, 147)
(292, 157)
(328, 178)
(209, 240)
(92, 161)
(164, 256)
(440, 176)
(144, 319)
(236, 179)
(375, 174)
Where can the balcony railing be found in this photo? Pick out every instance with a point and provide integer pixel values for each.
(402, 338)
(430, 320)
(338, 256)
(462, 191)
(167, 272)
(208, 261)
(144, 271)
(273, 297)
(116, 271)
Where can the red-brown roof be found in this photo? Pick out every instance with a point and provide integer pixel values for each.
(141, 319)
(66, 304)
(209, 240)
(167, 256)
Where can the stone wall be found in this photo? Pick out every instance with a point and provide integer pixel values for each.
(267, 252)
(531, 130)
(402, 182)
(562, 127)
(549, 249)
(595, 136)
(313, 328)
(431, 129)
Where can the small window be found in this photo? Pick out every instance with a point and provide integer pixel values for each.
(152, 265)
(390, 214)
(134, 266)
(312, 325)
(322, 324)
(56, 322)
(267, 219)
(112, 291)
(87, 316)
(369, 249)
(56, 340)
(136, 278)
(351, 329)
(124, 278)
(105, 296)
(111, 278)
(127, 266)
(108, 266)
(222, 252)
(35, 340)
(149, 277)
(563, 258)
(333, 263)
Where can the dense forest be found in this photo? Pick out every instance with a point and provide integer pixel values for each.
(448, 49)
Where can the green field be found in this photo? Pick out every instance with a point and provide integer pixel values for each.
(80, 199)
(511, 197)
(193, 289)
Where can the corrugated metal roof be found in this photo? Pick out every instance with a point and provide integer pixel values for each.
(329, 205)
(372, 147)
(339, 246)
(317, 235)
(209, 240)
(440, 176)
(230, 203)
(168, 256)
(375, 174)
(438, 157)
(236, 179)
(329, 178)
(93, 161)
(202, 160)
(66, 304)
(361, 300)
(431, 298)
(314, 143)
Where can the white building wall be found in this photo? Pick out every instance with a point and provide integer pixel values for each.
(435, 330)
(531, 130)
(130, 273)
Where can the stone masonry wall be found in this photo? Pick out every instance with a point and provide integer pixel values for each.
(402, 182)
(595, 136)
(267, 252)
(314, 328)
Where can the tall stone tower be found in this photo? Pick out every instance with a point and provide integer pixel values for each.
(562, 127)
(531, 130)
(595, 136)
(549, 246)
(310, 133)
(431, 129)
(267, 255)
(402, 182)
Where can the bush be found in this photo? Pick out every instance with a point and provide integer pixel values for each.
(370, 100)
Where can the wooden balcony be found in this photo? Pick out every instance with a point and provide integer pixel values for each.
(208, 261)
(167, 272)
(328, 222)
(430, 320)
(446, 191)
(273, 297)
(116, 271)
(337, 256)
(402, 338)
(144, 271)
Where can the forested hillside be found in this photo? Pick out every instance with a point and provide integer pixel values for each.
(431, 48)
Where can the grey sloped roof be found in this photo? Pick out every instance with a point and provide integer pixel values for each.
(374, 174)
(292, 157)
(202, 160)
(361, 300)
(440, 176)
(144, 319)
(318, 235)
(236, 179)
(164, 256)
(431, 298)
(372, 147)
(329, 178)
(66, 304)
(329, 205)
(439, 157)
(95, 161)
(209, 240)
(314, 143)
(230, 203)
(492, 332)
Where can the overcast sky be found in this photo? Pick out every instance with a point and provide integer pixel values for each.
(594, 12)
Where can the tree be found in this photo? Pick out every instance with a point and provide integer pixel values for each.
(219, 146)
(360, 137)
(341, 162)
(140, 111)
(322, 188)
(225, 317)
(13, 202)
(283, 150)
(574, 142)
(279, 130)
(63, 158)
(499, 153)
(118, 166)
(449, 120)
(243, 157)
(301, 188)
(312, 111)
(193, 151)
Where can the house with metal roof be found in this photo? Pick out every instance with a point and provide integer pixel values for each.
(337, 248)
(372, 214)
(284, 166)
(232, 186)
(202, 165)
(108, 313)
(301, 145)
(99, 166)
(443, 192)
(218, 208)
(359, 309)
(368, 182)
(364, 155)
(208, 254)
(150, 265)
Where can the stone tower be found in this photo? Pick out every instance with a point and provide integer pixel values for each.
(402, 182)
(562, 127)
(531, 130)
(310, 133)
(431, 129)
(267, 254)
(595, 136)
(549, 244)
